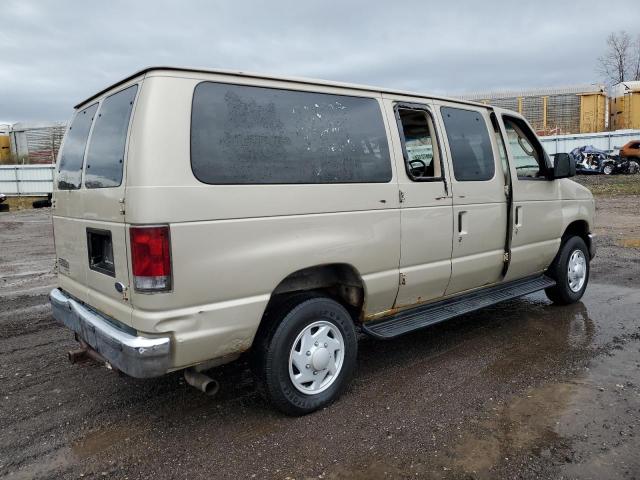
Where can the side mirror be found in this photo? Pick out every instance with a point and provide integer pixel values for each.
(563, 166)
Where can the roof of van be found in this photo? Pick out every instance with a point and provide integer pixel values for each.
(308, 81)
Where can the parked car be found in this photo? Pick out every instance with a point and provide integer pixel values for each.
(592, 160)
(201, 215)
(3, 197)
(631, 150)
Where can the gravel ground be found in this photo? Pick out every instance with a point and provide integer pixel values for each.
(520, 390)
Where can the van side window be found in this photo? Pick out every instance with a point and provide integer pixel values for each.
(258, 135)
(528, 160)
(470, 145)
(72, 155)
(105, 155)
(421, 155)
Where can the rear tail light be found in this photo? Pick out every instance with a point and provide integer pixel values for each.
(151, 258)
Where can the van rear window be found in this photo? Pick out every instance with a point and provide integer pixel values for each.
(72, 155)
(257, 135)
(105, 155)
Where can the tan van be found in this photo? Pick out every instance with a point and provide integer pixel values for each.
(199, 215)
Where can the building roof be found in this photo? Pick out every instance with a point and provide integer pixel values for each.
(625, 87)
(538, 92)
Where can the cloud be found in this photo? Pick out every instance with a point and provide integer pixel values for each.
(54, 54)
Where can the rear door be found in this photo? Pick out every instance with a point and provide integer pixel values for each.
(89, 227)
(426, 211)
(479, 199)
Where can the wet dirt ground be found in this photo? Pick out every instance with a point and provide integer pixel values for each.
(520, 390)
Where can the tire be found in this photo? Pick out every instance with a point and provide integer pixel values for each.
(41, 204)
(569, 289)
(290, 384)
(607, 169)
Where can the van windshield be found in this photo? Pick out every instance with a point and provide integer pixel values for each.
(105, 156)
(72, 155)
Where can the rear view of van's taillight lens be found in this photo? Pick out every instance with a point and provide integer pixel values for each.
(151, 258)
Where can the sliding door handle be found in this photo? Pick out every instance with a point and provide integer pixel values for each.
(518, 220)
(462, 224)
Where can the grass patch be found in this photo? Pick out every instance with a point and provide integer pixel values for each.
(610, 185)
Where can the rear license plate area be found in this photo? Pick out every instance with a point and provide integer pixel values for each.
(100, 250)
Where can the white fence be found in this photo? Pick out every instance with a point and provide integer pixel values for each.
(26, 179)
(603, 140)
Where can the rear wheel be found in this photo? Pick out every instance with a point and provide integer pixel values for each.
(607, 169)
(570, 269)
(307, 355)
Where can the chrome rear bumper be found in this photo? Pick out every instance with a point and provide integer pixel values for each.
(137, 356)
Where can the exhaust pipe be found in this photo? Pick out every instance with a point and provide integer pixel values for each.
(202, 382)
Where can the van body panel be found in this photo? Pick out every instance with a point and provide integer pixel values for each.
(228, 260)
(205, 332)
(71, 253)
(536, 239)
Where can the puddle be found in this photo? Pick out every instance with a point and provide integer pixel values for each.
(101, 440)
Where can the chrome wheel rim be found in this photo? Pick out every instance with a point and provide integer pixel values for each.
(316, 357)
(577, 270)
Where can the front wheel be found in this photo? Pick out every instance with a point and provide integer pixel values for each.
(570, 269)
(607, 169)
(307, 357)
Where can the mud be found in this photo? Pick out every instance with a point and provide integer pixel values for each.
(520, 390)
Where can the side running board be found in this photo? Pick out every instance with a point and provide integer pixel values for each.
(425, 315)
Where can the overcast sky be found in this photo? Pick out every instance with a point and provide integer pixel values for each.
(56, 53)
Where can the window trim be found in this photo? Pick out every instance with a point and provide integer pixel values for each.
(536, 145)
(489, 133)
(405, 155)
(127, 136)
(236, 84)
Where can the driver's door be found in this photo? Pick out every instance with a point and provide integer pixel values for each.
(537, 209)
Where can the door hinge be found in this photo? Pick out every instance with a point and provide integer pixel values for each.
(507, 189)
(401, 194)
(121, 202)
(505, 257)
(403, 279)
